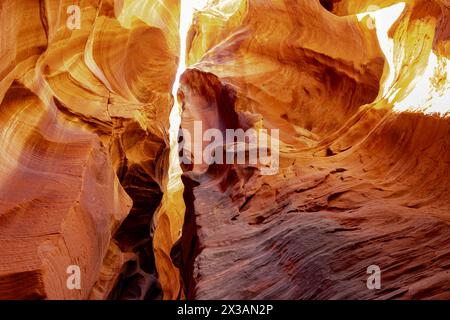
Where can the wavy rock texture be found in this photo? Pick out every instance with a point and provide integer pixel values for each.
(84, 148)
(361, 103)
(360, 183)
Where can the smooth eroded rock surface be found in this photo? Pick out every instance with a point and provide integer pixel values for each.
(363, 176)
(353, 94)
(84, 126)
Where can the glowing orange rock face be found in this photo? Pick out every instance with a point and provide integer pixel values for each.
(89, 175)
(85, 96)
(362, 183)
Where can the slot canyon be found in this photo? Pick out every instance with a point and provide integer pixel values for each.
(94, 95)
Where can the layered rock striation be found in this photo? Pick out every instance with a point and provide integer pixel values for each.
(353, 96)
(85, 97)
(363, 176)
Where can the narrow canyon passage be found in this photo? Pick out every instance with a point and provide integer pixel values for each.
(97, 170)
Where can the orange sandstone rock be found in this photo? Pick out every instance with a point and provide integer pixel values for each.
(362, 181)
(84, 125)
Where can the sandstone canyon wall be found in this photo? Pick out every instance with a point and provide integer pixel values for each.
(360, 183)
(84, 147)
(358, 91)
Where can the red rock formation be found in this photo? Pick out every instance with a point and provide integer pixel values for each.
(88, 177)
(84, 126)
(359, 184)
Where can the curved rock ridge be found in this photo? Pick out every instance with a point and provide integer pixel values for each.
(352, 95)
(84, 150)
(70, 199)
(362, 182)
(317, 74)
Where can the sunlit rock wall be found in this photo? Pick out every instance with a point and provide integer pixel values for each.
(84, 144)
(363, 176)
(358, 91)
